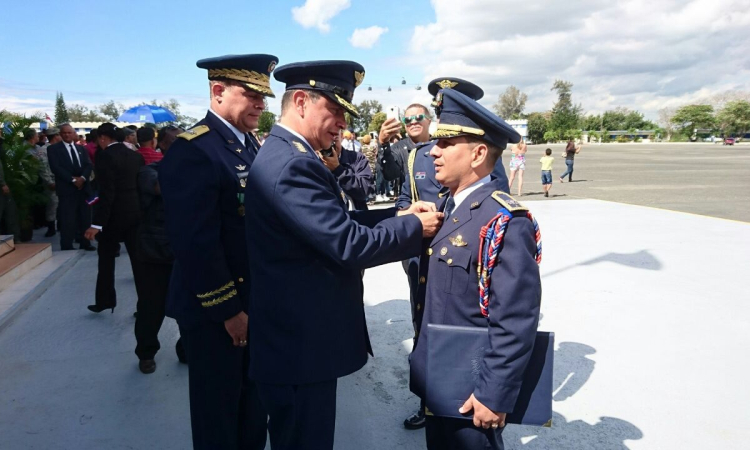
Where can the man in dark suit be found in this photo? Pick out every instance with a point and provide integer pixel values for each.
(72, 168)
(202, 180)
(116, 214)
(452, 269)
(306, 320)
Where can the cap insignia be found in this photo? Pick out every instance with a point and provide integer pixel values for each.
(271, 66)
(447, 131)
(446, 84)
(359, 77)
(300, 147)
(312, 83)
(257, 81)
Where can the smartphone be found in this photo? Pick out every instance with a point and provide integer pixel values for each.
(328, 152)
(393, 112)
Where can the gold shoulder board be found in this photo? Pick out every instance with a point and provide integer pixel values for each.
(508, 202)
(193, 132)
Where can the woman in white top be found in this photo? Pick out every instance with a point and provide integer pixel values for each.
(517, 165)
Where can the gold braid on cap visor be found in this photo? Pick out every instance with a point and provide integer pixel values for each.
(254, 80)
(448, 131)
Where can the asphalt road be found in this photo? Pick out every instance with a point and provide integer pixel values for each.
(706, 179)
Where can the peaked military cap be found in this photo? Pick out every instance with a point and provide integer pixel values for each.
(463, 116)
(51, 131)
(465, 87)
(254, 71)
(336, 79)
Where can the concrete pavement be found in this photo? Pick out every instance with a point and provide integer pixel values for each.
(649, 309)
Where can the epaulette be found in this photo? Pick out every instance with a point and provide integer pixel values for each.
(194, 132)
(508, 202)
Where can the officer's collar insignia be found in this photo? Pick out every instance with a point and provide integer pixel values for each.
(359, 77)
(193, 132)
(474, 205)
(229, 141)
(442, 194)
(300, 147)
(241, 167)
(243, 182)
(508, 202)
(239, 150)
(455, 220)
(446, 84)
(458, 241)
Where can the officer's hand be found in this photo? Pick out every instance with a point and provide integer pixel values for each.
(79, 182)
(431, 223)
(483, 416)
(6, 190)
(91, 233)
(418, 207)
(237, 329)
(332, 162)
(390, 128)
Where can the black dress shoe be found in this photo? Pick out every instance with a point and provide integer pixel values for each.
(147, 365)
(180, 350)
(97, 309)
(88, 248)
(67, 248)
(416, 421)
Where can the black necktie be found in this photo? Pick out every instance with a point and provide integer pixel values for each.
(248, 142)
(74, 157)
(449, 205)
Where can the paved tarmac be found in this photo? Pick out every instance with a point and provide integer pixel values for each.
(707, 179)
(650, 316)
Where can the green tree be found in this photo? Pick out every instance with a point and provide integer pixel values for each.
(537, 126)
(692, 117)
(80, 113)
(266, 121)
(565, 115)
(377, 121)
(551, 136)
(111, 110)
(367, 108)
(734, 118)
(511, 103)
(591, 122)
(61, 112)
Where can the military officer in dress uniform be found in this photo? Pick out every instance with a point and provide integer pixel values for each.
(470, 140)
(421, 184)
(203, 179)
(307, 252)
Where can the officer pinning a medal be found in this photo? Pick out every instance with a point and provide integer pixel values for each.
(481, 272)
(203, 181)
(307, 252)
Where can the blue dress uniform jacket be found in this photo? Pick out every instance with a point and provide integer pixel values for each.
(306, 318)
(421, 172)
(202, 180)
(355, 177)
(449, 267)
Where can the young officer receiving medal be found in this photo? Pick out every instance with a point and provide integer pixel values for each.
(481, 270)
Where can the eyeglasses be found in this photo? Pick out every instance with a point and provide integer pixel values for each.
(410, 119)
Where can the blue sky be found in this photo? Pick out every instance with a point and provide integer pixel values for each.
(633, 53)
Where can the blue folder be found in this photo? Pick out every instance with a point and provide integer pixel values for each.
(453, 360)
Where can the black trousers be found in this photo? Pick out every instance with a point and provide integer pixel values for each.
(225, 412)
(109, 244)
(443, 433)
(74, 218)
(151, 285)
(301, 417)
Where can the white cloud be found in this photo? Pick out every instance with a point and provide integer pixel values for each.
(366, 37)
(636, 53)
(318, 13)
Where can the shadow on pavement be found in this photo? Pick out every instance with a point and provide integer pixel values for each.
(642, 259)
(572, 369)
(609, 433)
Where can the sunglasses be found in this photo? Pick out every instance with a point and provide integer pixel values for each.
(410, 119)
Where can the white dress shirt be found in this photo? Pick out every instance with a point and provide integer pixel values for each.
(463, 195)
(296, 134)
(240, 135)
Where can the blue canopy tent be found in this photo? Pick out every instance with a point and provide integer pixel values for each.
(147, 114)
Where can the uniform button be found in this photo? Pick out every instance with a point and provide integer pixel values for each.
(450, 261)
(429, 252)
(422, 280)
(241, 280)
(419, 306)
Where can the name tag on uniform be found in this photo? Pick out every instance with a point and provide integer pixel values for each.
(419, 175)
